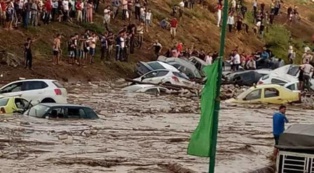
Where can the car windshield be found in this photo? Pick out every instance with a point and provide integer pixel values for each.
(37, 111)
(4, 101)
(155, 65)
(293, 70)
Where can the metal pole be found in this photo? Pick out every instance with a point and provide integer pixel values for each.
(213, 146)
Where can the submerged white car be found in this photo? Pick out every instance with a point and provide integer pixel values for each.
(286, 76)
(165, 76)
(144, 88)
(36, 91)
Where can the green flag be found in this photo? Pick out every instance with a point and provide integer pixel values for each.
(200, 142)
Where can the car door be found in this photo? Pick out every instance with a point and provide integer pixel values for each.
(182, 80)
(13, 89)
(21, 104)
(254, 96)
(272, 95)
(155, 77)
(161, 77)
(34, 91)
(147, 78)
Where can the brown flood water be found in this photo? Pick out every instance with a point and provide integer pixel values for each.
(136, 133)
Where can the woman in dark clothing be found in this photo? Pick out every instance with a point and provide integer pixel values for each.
(301, 79)
(28, 54)
(239, 25)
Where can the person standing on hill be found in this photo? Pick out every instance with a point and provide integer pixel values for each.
(230, 21)
(56, 47)
(79, 9)
(219, 9)
(28, 54)
(279, 120)
(173, 27)
(254, 7)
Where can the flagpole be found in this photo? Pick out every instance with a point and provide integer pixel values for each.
(213, 146)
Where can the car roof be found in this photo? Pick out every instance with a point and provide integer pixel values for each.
(9, 97)
(266, 85)
(29, 80)
(133, 88)
(62, 105)
(264, 70)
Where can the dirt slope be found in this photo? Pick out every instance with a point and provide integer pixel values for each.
(196, 27)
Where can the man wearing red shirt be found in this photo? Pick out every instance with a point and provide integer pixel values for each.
(173, 27)
(79, 9)
(179, 47)
(48, 8)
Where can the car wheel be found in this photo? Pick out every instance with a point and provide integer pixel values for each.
(48, 100)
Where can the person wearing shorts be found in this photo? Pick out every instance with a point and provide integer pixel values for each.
(92, 41)
(56, 49)
(92, 52)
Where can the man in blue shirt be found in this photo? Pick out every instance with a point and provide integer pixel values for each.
(279, 120)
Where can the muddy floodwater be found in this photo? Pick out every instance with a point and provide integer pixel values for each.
(136, 133)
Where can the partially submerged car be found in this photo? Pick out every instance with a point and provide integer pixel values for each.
(199, 64)
(165, 77)
(145, 88)
(145, 67)
(271, 93)
(296, 149)
(247, 77)
(54, 110)
(284, 74)
(9, 105)
(183, 66)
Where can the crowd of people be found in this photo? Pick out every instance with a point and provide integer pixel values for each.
(81, 48)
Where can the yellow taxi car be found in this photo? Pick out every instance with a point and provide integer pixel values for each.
(10, 105)
(271, 93)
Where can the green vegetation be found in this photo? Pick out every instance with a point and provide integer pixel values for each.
(278, 38)
(94, 27)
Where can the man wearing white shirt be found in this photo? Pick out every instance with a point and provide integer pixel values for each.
(307, 71)
(54, 11)
(236, 61)
(65, 5)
